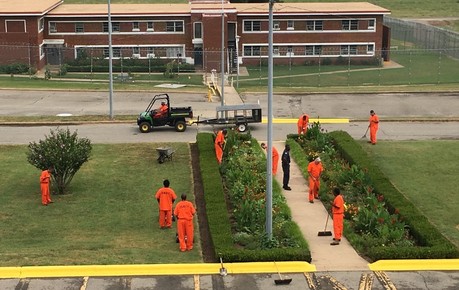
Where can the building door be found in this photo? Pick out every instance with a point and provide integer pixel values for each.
(53, 54)
(198, 56)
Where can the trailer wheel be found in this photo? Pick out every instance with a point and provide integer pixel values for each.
(144, 127)
(242, 127)
(180, 126)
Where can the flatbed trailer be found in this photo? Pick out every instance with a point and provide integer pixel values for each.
(238, 115)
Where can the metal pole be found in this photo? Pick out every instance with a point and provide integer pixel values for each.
(110, 60)
(269, 179)
(222, 68)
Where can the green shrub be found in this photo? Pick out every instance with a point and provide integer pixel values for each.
(219, 218)
(62, 150)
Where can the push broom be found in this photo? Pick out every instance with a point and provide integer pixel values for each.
(325, 233)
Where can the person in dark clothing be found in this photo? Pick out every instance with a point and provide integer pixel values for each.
(286, 167)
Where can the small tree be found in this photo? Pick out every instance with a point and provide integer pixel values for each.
(62, 150)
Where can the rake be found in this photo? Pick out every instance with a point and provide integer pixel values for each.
(281, 280)
(365, 135)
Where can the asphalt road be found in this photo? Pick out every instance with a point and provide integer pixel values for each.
(389, 107)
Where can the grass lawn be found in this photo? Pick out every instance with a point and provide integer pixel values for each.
(110, 217)
(426, 173)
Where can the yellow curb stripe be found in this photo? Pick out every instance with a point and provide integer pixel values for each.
(264, 120)
(416, 265)
(152, 269)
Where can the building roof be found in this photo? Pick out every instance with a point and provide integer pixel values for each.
(27, 7)
(241, 8)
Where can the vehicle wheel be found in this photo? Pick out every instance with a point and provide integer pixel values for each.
(144, 127)
(242, 127)
(180, 126)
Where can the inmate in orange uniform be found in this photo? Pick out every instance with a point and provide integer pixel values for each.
(45, 180)
(338, 216)
(315, 170)
(275, 156)
(374, 124)
(165, 197)
(302, 124)
(184, 211)
(219, 142)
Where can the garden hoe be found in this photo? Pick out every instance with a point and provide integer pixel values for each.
(281, 280)
(223, 271)
(325, 233)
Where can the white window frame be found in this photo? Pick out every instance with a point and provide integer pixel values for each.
(52, 27)
(315, 25)
(255, 50)
(290, 25)
(135, 26)
(18, 20)
(255, 25)
(41, 50)
(150, 52)
(276, 51)
(177, 26)
(150, 26)
(135, 52)
(350, 24)
(276, 25)
(195, 24)
(116, 27)
(371, 49)
(41, 24)
(371, 24)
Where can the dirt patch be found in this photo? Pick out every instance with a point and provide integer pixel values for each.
(207, 246)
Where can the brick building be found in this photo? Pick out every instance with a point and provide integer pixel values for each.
(51, 32)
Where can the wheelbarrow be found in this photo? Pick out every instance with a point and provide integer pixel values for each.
(165, 153)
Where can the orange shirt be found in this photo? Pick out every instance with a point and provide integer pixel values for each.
(220, 139)
(315, 169)
(166, 197)
(45, 176)
(275, 154)
(374, 121)
(163, 108)
(184, 210)
(338, 205)
(300, 122)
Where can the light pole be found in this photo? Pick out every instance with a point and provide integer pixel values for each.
(110, 61)
(223, 57)
(269, 182)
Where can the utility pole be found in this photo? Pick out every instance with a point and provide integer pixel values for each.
(269, 179)
(110, 61)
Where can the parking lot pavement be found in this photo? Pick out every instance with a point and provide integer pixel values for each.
(362, 280)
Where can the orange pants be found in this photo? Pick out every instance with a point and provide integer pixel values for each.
(185, 229)
(338, 225)
(165, 218)
(218, 153)
(314, 187)
(45, 197)
(373, 135)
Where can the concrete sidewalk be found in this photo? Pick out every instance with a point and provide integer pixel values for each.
(311, 219)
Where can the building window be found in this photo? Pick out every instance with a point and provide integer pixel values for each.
(251, 50)
(106, 53)
(353, 49)
(42, 51)
(290, 50)
(115, 27)
(174, 52)
(371, 24)
(348, 50)
(150, 26)
(136, 52)
(314, 25)
(317, 49)
(80, 52)
(52, 27)
(276, 50)
(290, 25)
(79, 27)
(41, 24)
(252, 25)
(276, 25)
(150, 52)
(349, 24)
(135, 26)
(197, 30)
(370, 49)
(174, 26)
(116, 52)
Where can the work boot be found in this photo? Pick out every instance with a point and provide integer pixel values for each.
(335, 243)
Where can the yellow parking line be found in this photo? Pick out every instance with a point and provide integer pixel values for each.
(293, 121)
(152, 269)
(416, 265)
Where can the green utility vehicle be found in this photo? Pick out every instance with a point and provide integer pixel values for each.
(172, 116)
